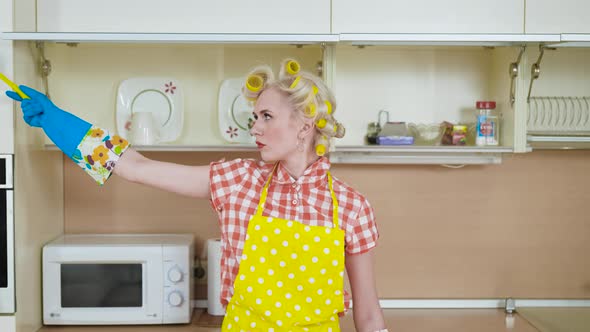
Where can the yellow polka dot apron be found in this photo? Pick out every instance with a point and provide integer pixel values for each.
(290, 277)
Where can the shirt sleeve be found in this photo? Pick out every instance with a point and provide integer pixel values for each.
(98, 153)
(362, 235)
(226, 177)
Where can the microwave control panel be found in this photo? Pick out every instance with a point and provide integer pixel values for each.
(177, 306)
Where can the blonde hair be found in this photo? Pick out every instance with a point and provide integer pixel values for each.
(308, 94)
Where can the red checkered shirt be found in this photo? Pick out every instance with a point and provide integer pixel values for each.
(235, 190)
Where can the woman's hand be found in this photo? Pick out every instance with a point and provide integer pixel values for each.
(64, 129)
(367, 313)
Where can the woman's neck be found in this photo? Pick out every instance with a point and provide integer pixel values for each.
(299, 162)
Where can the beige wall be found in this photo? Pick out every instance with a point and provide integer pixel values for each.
(519, 229)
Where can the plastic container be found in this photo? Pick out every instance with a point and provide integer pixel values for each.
(487, 131)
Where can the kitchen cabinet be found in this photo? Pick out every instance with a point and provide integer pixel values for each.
(428, 85)
(559, 108)
(184, 16)
(549, 16)
(428, 16)
(424, 85)
(197, 69)
(416, 84)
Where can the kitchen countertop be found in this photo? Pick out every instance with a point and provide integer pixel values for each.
(397, 320)
(558, 319)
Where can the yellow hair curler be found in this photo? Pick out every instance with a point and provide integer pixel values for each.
(315, 90)
(329, 106)
(321, 123)
(310, 110)
(320, 148)
(292, 67)
(13, 86)
(254, 83)
(295, 82)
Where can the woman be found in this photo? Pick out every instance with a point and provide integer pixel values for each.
(287, 226)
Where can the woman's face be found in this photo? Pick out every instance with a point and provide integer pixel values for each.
(275, 126)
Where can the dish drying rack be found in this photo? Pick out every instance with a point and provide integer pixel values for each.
(558, 115)
(556, 121)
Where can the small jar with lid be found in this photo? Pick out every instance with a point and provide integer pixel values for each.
(487, 131)
(459, 135)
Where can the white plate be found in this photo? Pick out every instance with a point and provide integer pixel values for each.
(235, 112)
(161, 96)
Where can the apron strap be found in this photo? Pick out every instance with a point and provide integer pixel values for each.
(260, 207)
(265, 192)
(334, 202)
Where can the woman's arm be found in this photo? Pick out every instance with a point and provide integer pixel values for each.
(185, 180)
(367, 313)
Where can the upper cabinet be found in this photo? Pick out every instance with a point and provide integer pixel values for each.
(184, 16)
(550, 16)
(429, 16)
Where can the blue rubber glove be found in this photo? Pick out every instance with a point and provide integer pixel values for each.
(63, 128)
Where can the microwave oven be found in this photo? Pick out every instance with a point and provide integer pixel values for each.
(106, 279)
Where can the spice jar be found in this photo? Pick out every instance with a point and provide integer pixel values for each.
(488, 124)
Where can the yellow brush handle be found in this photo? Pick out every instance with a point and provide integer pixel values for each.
(13, 86)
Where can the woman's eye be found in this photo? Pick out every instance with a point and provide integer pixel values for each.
(267, 117)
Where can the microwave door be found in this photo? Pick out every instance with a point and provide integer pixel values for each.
(102, 285)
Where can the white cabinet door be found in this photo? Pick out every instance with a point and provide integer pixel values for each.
(428, 16)
(551, 16)
(184, 16)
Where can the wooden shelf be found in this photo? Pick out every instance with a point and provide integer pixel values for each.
(366, 154)
(420, 155)
(558, 142)
(423, 148)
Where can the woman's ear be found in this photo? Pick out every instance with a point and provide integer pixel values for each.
(307, 128)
